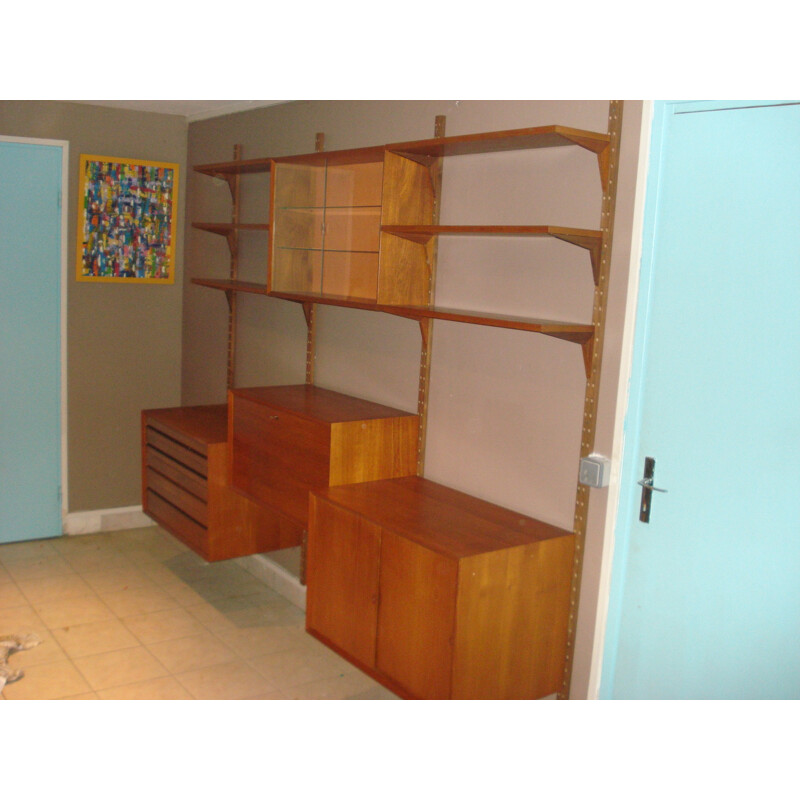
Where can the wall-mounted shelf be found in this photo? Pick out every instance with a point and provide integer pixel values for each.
(359, 229)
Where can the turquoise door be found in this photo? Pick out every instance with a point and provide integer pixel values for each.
(705, 597)
(30, 341)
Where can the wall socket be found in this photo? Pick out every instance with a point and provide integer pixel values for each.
(594, 471)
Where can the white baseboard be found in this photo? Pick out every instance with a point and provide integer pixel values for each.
(105, 519)
(276, 577)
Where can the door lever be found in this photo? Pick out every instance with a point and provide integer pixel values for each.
(647, 489)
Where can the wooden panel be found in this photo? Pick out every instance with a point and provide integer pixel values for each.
(342, 574)
(299, 228)
(177, 523)
(277, 457)
(298, 185)
(351, 275)
(356, 229)
(354, 184)
(512, 612)
(190, 458)
(190, 505)
(416, 617)
(296, 270)
(371, 450)
(193, 426)
(315, 403)
(404, 276)
(177, 473)
(440, 518)
(408, 197)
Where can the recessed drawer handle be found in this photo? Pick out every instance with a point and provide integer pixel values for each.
(274, 416)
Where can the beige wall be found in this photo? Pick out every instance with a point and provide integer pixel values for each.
(123, 342)
(505, 406)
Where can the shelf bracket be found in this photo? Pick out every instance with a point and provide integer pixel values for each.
(601, 148)
(592, 244)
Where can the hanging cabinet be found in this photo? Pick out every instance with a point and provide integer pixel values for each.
(433, 592)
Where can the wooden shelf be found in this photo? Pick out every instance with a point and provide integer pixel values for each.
(590, 240)
(500, 141)
(578, 332)
(425, 151)
(226, 228)
(227, 285)
(224, 169)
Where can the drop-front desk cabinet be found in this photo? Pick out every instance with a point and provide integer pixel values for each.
(438, 594)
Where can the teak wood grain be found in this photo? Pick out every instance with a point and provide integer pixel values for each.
(472, 598)
(185, 487)
(288, 440)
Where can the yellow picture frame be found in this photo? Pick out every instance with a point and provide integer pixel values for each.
(127, 220)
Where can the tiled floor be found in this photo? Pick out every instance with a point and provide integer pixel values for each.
(136, 615)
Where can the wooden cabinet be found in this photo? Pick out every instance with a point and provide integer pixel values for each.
(287, 440)
(438, 594)
(185, 486)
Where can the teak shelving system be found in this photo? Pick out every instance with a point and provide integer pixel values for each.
(359, 229)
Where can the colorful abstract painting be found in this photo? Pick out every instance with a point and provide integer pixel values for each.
(126, 220)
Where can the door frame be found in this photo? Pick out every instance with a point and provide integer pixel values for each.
(64, 145)
(638, 281)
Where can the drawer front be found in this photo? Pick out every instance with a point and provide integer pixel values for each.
(185, 478)
(191, 458)
(278, 457)
(192, 506)
(176, 522)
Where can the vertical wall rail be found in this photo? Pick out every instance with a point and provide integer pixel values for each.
(233, 244)
(609, 163)
(426, 325)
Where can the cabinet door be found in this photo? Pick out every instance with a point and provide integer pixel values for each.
(416, 617)
(342, 578)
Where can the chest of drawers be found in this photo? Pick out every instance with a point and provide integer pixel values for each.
(288, 440)
(185, 487)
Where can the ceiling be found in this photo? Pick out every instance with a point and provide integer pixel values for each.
(192, 110)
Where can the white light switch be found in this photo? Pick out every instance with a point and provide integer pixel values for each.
(594, 471)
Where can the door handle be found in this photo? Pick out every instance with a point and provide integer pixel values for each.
(647, 489)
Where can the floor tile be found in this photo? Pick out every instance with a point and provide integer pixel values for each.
(161, 626)
(35, 568)
(115, 580)
(232, 681)
(21, 620)
(166, 688)
(290, 668)
(26, 551)
(249, 642)
(43, 590)
(119, 668)
(73, 611)
(94, 637)
(342, 687)
(11, 596)
(96, 560)
(193, 652)
(48, 682)
(138, 600)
